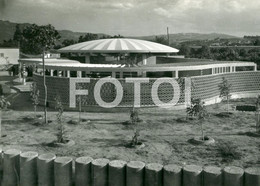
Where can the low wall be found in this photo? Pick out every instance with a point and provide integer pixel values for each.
(32, 169)
(62, 86)
(244, 84)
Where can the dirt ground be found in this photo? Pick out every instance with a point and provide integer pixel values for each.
(165, 133)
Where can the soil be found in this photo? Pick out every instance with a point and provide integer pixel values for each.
(165, 133)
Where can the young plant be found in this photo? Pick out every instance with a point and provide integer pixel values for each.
(197, 109)
(35, 93)
(61, 128)
(81, 101)
(257, 114)
(224, 88)
(3, 105)
(134, 119)
(37, 40)
(228, 151)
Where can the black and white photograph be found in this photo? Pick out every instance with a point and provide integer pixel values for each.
(129, 93)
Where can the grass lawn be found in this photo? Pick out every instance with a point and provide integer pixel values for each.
(165, 133)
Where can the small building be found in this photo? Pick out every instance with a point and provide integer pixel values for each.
(9, 60)
(9, 55)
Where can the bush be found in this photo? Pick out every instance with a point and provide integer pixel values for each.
(228, 151)
(1, 90)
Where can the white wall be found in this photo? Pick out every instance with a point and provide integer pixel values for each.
(11, 54)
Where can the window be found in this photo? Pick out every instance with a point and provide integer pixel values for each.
(228, 69)
(100, 74)
(73, 73)
(129, 74)
(117, 74)
(159, 74)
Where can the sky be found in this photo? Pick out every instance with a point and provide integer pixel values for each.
(138, 17)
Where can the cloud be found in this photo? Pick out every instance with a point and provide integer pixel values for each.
(138, 17)
(4, 4)
(115, 5)
(162, 12)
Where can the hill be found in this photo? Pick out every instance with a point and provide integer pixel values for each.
(7, 30)
(183, 37)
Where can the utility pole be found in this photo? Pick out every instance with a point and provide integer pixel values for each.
(45, 87)
(168, 37)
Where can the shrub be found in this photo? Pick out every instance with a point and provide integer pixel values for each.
(257, 114)
(225, 88)
(197, 109)
(228, 151)
(35, 93)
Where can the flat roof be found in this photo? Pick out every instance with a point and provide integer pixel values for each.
(200, 63)
(49, 61)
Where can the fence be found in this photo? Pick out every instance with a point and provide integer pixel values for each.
(31, 169)
(62, 86)
(204, 87)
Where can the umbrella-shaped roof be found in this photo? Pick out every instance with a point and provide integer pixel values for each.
(118, 45)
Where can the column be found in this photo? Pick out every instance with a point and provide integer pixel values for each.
(24, 78)
(87, 58)
(68, 73)
(20, 71)
(51, 72)
(176, 74)
(144, 59)
(114, 74)
(59, 72)
(79, 74)
(64, 73)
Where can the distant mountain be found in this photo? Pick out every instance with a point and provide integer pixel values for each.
(183, 37)
(7, 30)
(67, 34)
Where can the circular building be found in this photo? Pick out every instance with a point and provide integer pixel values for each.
(100, 70)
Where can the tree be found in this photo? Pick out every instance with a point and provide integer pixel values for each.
(224, 88)
(39, 39)
(257, 113)
(185, 50)
(81, 101)
(197, 109)
(134, 119)
(3, 106)
(35, 97)
(68, 42)
(204, 52)
(161, 40)
(61, 128)
(87, 37)
(18, 35)
(257, 42)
